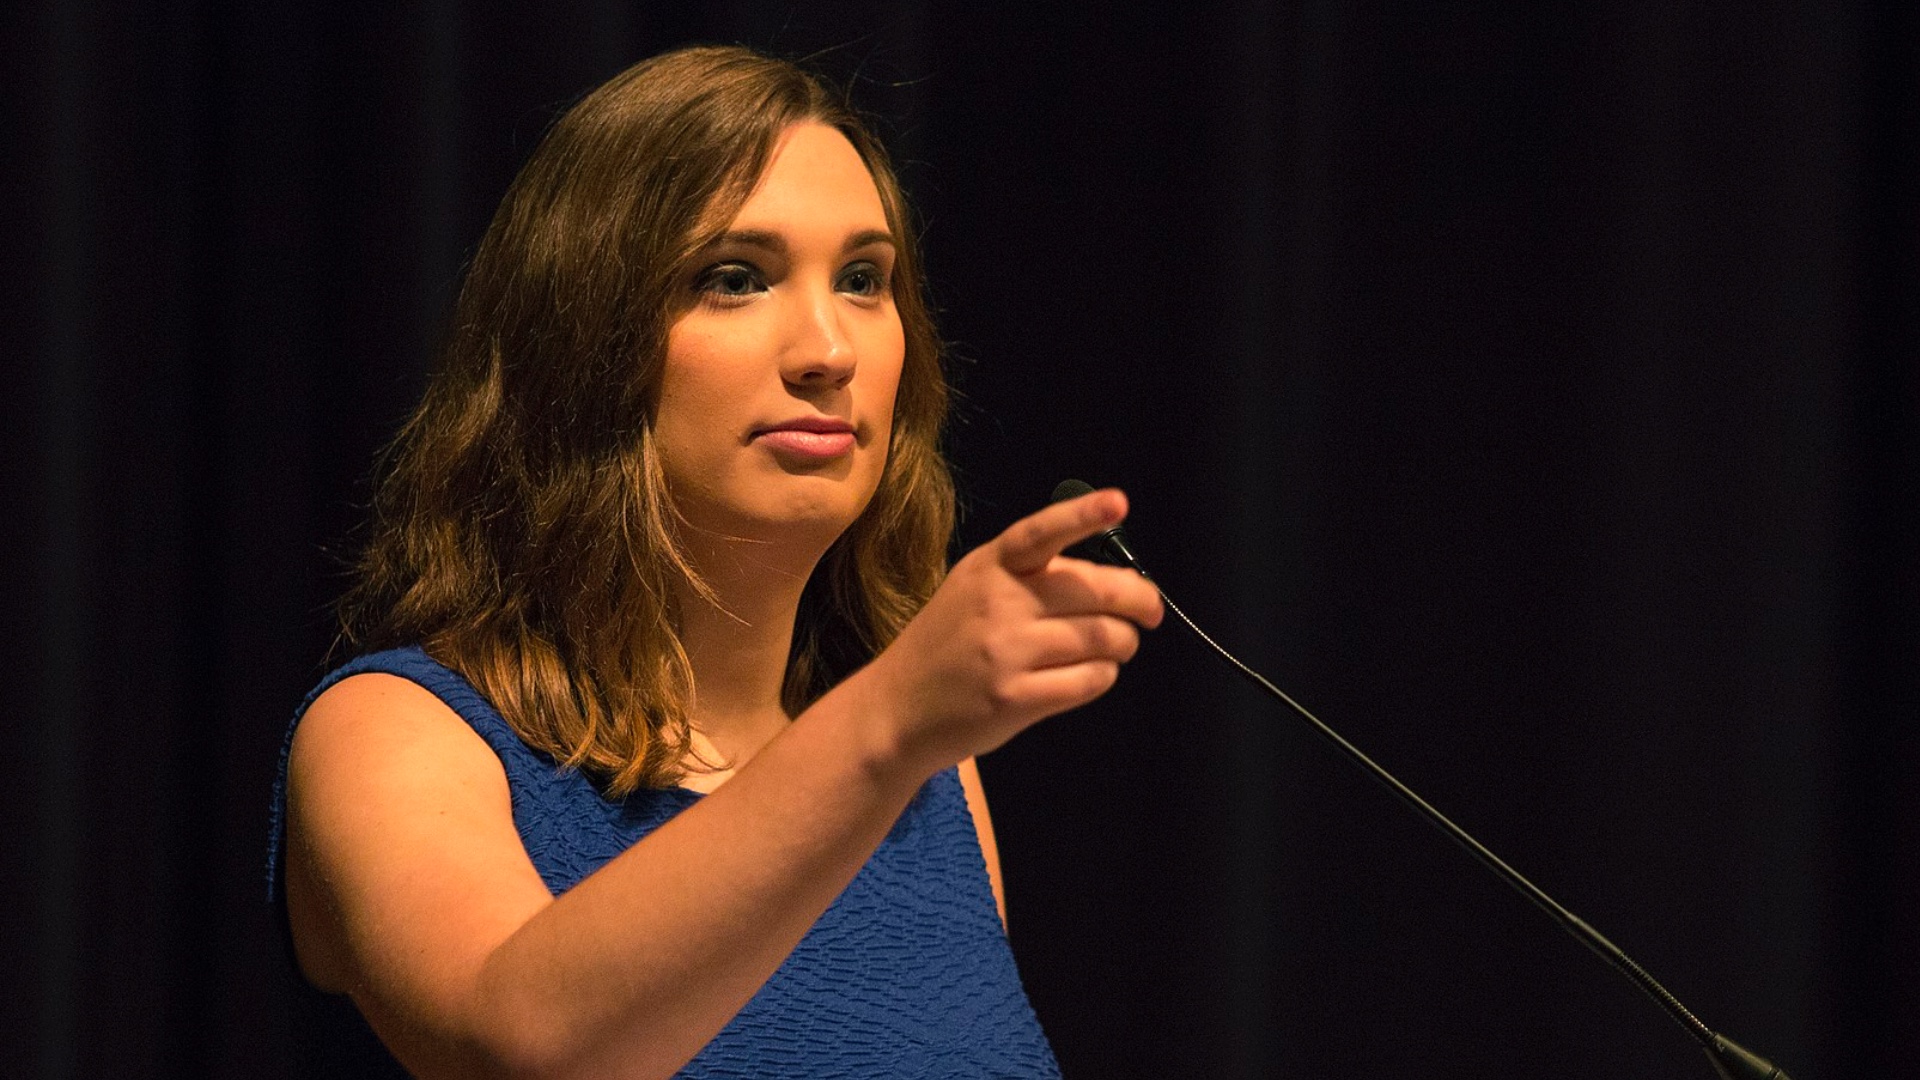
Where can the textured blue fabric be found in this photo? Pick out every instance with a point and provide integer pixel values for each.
(907, 974)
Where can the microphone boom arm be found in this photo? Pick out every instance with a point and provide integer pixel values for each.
(1732, 1061)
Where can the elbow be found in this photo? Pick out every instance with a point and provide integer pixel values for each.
(520, 1039)
(497, 1040)
(514, 1043)
(511, 1054)
(509, 1023)
(550, 1059)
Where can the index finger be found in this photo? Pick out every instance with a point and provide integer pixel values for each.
(1030, 544)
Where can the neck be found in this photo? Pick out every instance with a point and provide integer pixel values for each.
(738, 643)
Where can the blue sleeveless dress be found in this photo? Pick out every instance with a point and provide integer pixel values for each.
(907, 974)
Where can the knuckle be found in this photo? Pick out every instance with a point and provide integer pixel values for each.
(1028, 534)
(1002, 695)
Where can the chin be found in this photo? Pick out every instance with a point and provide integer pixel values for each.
(830, 512)
(815, 508)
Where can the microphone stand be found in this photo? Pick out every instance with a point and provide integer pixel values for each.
(1731, 1060)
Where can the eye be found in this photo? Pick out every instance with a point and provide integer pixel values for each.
(863, 278)
(729, 281)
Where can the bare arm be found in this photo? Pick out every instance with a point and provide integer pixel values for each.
(983, 828)
(409, 889)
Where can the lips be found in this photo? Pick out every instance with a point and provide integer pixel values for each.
(816, 438)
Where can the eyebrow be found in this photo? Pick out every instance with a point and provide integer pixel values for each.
(773, 241)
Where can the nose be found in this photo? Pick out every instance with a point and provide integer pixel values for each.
(819, 353)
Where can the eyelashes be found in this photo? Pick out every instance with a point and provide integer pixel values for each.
(864, 278)
(729, 282)
(736, 282)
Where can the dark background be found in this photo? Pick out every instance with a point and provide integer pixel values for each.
(1532, 389)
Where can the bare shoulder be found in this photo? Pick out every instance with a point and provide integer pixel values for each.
(364, 721)
(400, 843)
(377, 746)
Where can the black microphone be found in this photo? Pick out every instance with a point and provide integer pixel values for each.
(1731, 1060)
(1110, 546)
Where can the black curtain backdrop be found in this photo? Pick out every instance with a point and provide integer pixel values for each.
(1533, 390)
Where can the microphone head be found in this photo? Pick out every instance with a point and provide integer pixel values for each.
(1070, 489)
(1107, 547)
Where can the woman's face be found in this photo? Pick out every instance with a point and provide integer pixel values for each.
(776, 399)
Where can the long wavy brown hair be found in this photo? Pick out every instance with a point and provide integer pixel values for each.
(523, 532)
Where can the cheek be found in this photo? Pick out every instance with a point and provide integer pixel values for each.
(693, 414)
(882, 375)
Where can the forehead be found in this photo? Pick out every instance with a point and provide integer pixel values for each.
(814, 177)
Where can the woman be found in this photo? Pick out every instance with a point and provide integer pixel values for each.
(660, 754)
